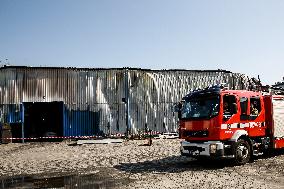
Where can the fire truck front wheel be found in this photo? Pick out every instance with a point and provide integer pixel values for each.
(242, 152)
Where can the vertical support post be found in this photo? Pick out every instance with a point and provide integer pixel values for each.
(23, 121)
(127, 101)
(63, 120)
(128, 113)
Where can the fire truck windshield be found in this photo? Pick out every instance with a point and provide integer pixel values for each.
(201, 107)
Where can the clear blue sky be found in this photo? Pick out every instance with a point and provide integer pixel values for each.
(241, 36)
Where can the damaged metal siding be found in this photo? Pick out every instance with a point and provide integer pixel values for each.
(93, 97)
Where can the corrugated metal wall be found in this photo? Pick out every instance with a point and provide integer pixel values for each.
(93, 97)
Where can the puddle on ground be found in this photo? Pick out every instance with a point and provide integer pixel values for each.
(71, 181)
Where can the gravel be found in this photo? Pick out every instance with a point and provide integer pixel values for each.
(156, 166)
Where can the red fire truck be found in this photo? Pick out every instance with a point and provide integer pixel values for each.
(219, 123)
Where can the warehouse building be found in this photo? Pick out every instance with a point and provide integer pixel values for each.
(37, 101)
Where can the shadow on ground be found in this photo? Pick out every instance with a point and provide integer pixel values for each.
(173, 164)
(270, 154)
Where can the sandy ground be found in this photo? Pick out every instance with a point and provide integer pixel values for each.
(138, 166)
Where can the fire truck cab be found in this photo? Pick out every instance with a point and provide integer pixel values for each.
(220, 123)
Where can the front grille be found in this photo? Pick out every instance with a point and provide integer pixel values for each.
(197, 133)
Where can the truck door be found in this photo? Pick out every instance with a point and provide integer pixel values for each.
(230, 120)
(256, 117)
(229, 107)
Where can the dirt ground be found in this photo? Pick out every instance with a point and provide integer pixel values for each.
(132, 165)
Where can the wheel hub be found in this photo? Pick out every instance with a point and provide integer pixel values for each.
(242, 151)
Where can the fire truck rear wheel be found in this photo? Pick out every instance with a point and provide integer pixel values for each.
(242, 152)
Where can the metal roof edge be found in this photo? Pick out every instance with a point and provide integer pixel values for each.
(123, 68)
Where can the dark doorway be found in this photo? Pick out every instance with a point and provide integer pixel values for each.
(43, 119)
(16, 129)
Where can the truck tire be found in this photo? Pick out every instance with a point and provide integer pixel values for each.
(242, 152)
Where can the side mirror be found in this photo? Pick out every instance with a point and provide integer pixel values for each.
(234, 108)
(177, 108)
(179, 114)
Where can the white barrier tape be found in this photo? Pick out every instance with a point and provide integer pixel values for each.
(76, 137)
(54, 137)
(46, 138)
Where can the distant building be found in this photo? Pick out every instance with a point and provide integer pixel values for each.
(53, 101)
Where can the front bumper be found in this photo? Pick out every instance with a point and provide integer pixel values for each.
(215, 149)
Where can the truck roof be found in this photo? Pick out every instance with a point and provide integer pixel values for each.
(199, 92)
(242, 93)
(219, 90)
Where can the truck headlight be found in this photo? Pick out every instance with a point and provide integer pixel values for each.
(212, 148)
